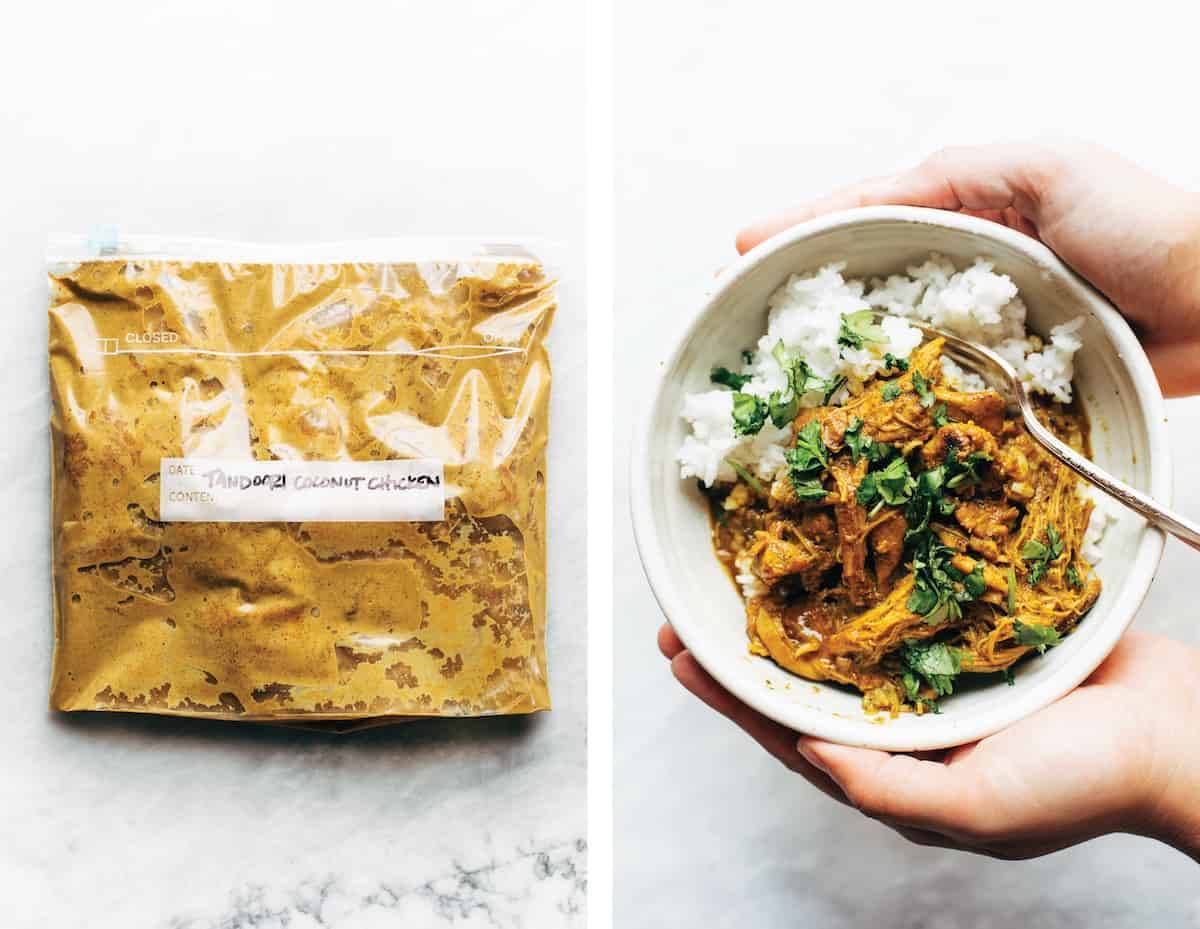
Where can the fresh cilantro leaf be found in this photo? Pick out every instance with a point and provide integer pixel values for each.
(862, 445)
(879, 452)
(746, 476)
(923, 600)
(896, 483)
(1035, 635)
(782, 411)
(1039, 555)
(966, 471)
(800, 379)
(806, 460)
(799, 374)
(749, 414)
(934, 662)
(890, 392)
(728, 378)
(892, 485)
(940, 416)
(973, 583)
(1012, 591)
(832, 386)
(868, 494)
(809, 454)
(896, 364)
(808, 488)
(857, 328)
(940, 589)
(1073, 578)
(855, 440)
(927, 502)
(924, 392)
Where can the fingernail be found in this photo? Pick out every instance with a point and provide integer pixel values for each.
(804, 747)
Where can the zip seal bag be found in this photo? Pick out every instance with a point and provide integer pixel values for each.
(299, 483)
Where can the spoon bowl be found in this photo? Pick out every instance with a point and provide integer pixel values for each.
(995, 370)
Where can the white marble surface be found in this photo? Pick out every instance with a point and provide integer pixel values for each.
(273, 121)
(734, 108)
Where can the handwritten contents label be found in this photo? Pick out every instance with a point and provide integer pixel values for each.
(205, 490)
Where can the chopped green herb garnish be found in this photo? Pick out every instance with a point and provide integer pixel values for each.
(808, 488)
(832, 386)
(855, 440)
(890, 392)
(928, 501)
(746, 476)
(939, 588)
(1073, 577)
(747, 356)
(966, 471)
(1039, 555)
(857, 328)
(934, 662)
(749, 414)
(1009, 677)
(806, 460)
(728, 378)
(809, 453)
(785, 404)
(1035, 635)
(893, 485)
(894, 363)
(940, 416)
(862, 445)
(924, 392)
(1012, 591)
(782, 411)
(973, 583)
(799, 375)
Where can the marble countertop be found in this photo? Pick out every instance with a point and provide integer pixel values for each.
(314, 132)
(717, 128)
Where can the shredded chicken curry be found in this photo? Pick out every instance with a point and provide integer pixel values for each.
(916, 533)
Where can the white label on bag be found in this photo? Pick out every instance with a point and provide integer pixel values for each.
(222, 490)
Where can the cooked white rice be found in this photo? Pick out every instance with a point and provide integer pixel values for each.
(806, 314)
(1103, 513)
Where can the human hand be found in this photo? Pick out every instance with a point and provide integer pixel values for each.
(1135, 237)
(1115, 755)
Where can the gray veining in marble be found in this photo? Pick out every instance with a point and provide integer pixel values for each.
(534, 886)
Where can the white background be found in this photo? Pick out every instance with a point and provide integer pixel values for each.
(731, 109)
(286, 121)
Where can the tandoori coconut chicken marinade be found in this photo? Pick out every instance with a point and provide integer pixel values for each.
(915, 533)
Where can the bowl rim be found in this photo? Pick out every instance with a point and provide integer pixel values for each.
(863, 732)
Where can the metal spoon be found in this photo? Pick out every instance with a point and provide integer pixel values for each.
(996, 370)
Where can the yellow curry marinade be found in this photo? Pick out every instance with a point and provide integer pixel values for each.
(318, 620)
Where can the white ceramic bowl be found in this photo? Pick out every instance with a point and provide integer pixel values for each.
(670, 518)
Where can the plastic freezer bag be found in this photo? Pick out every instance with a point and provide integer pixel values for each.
(299, 483)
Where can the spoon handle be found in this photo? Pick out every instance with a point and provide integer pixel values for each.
(1157, 514)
